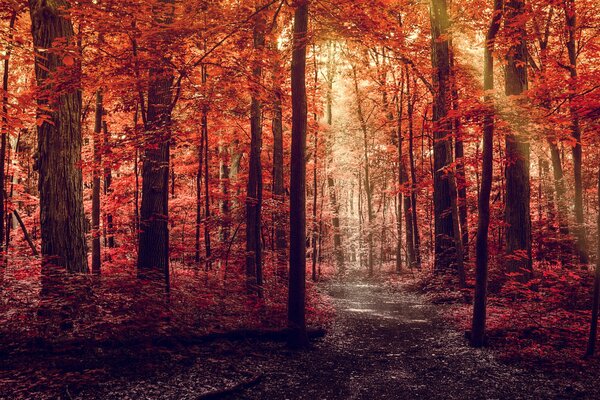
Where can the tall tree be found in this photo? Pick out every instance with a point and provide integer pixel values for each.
(254, 193)
(59, 139)
(579, 229)
(517, 205)
(483, 222)
(153, 245)
(591, 347)
(442, 127)
(297, 279)
(96, 257)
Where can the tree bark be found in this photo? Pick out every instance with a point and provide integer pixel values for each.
(579, 229)
(278, 179)
(483, 222)
(153, 253)
(254, 193)
(518, 219)
(96, 256)
(297, 292)
(59, 142)
(5, 130)
(445, 250)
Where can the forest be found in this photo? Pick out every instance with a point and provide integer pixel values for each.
(299, 199)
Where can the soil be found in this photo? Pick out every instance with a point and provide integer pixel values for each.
(382, 345)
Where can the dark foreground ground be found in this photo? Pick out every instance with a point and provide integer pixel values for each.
(381, 346)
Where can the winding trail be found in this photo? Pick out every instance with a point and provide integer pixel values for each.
(382, 345)
(395, 346)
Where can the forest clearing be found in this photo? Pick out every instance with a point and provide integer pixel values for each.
(299, 199)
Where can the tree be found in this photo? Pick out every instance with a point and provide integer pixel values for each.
(571, 25)
(153, 245)
(297, 290)
(59, 138)
(517, 207)
(483, 222)
(444, 231)
(255, 185)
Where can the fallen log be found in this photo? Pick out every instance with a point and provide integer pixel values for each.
(220, 393)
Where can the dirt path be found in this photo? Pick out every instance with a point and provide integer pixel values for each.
(381, 346)
(390, 346)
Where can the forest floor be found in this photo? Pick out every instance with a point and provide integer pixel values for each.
(382, 344)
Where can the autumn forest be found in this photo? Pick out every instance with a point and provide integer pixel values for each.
(289, 199)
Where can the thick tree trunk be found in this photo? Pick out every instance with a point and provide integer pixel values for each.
(59, 142)
(297, 292)
(518, 219)
(254, 193)
(96, 256)
(483, 222)
(579, 229)
(153, 253)
(445, 251)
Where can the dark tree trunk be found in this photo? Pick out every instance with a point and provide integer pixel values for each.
(59, 143)
(153, 253)
(96, 256)
(278, 180)
(254, 194)
(518, 219)
(109, 236)
(579, 229)
(400, 198)
(445, 250)
(413, 175)
(207, 247)
(483, 222)
(199, 186)
(5, 130)
(297, 292)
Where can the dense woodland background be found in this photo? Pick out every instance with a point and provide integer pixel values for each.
(177, 168)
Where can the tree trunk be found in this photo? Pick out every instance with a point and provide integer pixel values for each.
(96, 256)
(254, 193)
(413, 175)
(335, 208)
(579, 229)
(153, 253)
(483, 222)
(445, 251)
(518, 219)
(297, 292)
(278, 180)
(199, 186)
(367, 183)
(59, 142)
(315, 226)
(110, 235)
(5, 130)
